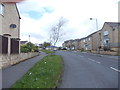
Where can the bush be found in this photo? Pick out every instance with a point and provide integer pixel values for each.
(29, 47)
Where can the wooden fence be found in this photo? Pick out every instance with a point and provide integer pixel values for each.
(3, 45)
(14, 45)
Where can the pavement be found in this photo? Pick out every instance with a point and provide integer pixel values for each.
(101, 55)
(13, 73)
(84, 70)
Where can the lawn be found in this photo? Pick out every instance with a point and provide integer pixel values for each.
(47, 51)
(44, 74)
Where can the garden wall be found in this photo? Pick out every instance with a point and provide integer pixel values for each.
(6, 60)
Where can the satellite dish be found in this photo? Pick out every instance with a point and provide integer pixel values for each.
(13, 26)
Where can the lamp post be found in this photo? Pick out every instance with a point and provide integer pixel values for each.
(29, 38)
(96, 27)
(96, 22)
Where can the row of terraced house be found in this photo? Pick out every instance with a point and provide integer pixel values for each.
(104, 41)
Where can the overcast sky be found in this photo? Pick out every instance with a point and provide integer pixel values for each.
(38, 16)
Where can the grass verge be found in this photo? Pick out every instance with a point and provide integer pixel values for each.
(47, 51)
(44, 74)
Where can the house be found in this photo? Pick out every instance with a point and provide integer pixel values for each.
(80, 43)
(69, 44)
(9, 29)
(95, 41)
(109, 36)
(106, 39)
(76, 44)
(23, 42)
(51, 48)
(88, 43)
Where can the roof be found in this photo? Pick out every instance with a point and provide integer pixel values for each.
(17, 11)
(23, 42)
(51, 47)
(93, 33)
(113, 24)
(68, 41)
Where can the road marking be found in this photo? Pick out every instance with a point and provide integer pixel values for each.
(115, 69)
(94, 60)
(81, 56)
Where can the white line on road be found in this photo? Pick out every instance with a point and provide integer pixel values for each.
(81, 56)
(94, 60)
(115, 69)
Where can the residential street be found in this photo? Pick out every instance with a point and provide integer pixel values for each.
(81, 70)
(11, 74)
(84, 70)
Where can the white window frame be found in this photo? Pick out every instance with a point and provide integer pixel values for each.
(106, 32)
(84, 40)
(1, 9)
(89, 38)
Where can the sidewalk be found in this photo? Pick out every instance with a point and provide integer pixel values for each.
(11, 74)
(107, 56)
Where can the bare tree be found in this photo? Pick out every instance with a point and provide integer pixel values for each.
(57, 31)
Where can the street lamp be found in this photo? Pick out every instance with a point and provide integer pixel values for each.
(29, 38)
(96, 22)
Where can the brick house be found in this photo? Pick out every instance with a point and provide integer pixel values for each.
(9, 29)
(23, 42)
(69, 44)
(82, 44)
(106, 39)
(109, 36)
(76, 44)
(96, 41)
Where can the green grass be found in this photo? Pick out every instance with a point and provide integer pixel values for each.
(47, 51)
(43, 74)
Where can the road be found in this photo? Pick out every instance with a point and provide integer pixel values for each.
(83, 70)
(11, 74)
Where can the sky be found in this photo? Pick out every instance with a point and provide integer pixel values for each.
(38, 16)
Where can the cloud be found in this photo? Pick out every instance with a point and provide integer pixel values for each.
(39, 15)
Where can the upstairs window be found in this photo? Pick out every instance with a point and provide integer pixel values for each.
(89, 38)
(106, 33)
(1, 9)
(84, 40)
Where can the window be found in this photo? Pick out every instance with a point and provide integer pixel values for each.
(89, 38)
(106, 33)
(1, 9)
(106, 41)
(84, 40)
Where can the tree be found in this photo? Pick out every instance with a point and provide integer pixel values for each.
(46, 44)
(57, 31)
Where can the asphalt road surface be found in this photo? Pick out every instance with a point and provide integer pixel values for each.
(11, 74)
(83, 70)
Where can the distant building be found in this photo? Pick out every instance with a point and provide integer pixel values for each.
(23, 42)
(69, 44)
(76, 44)
(106, 39)
(9, 28)
(51, 48)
